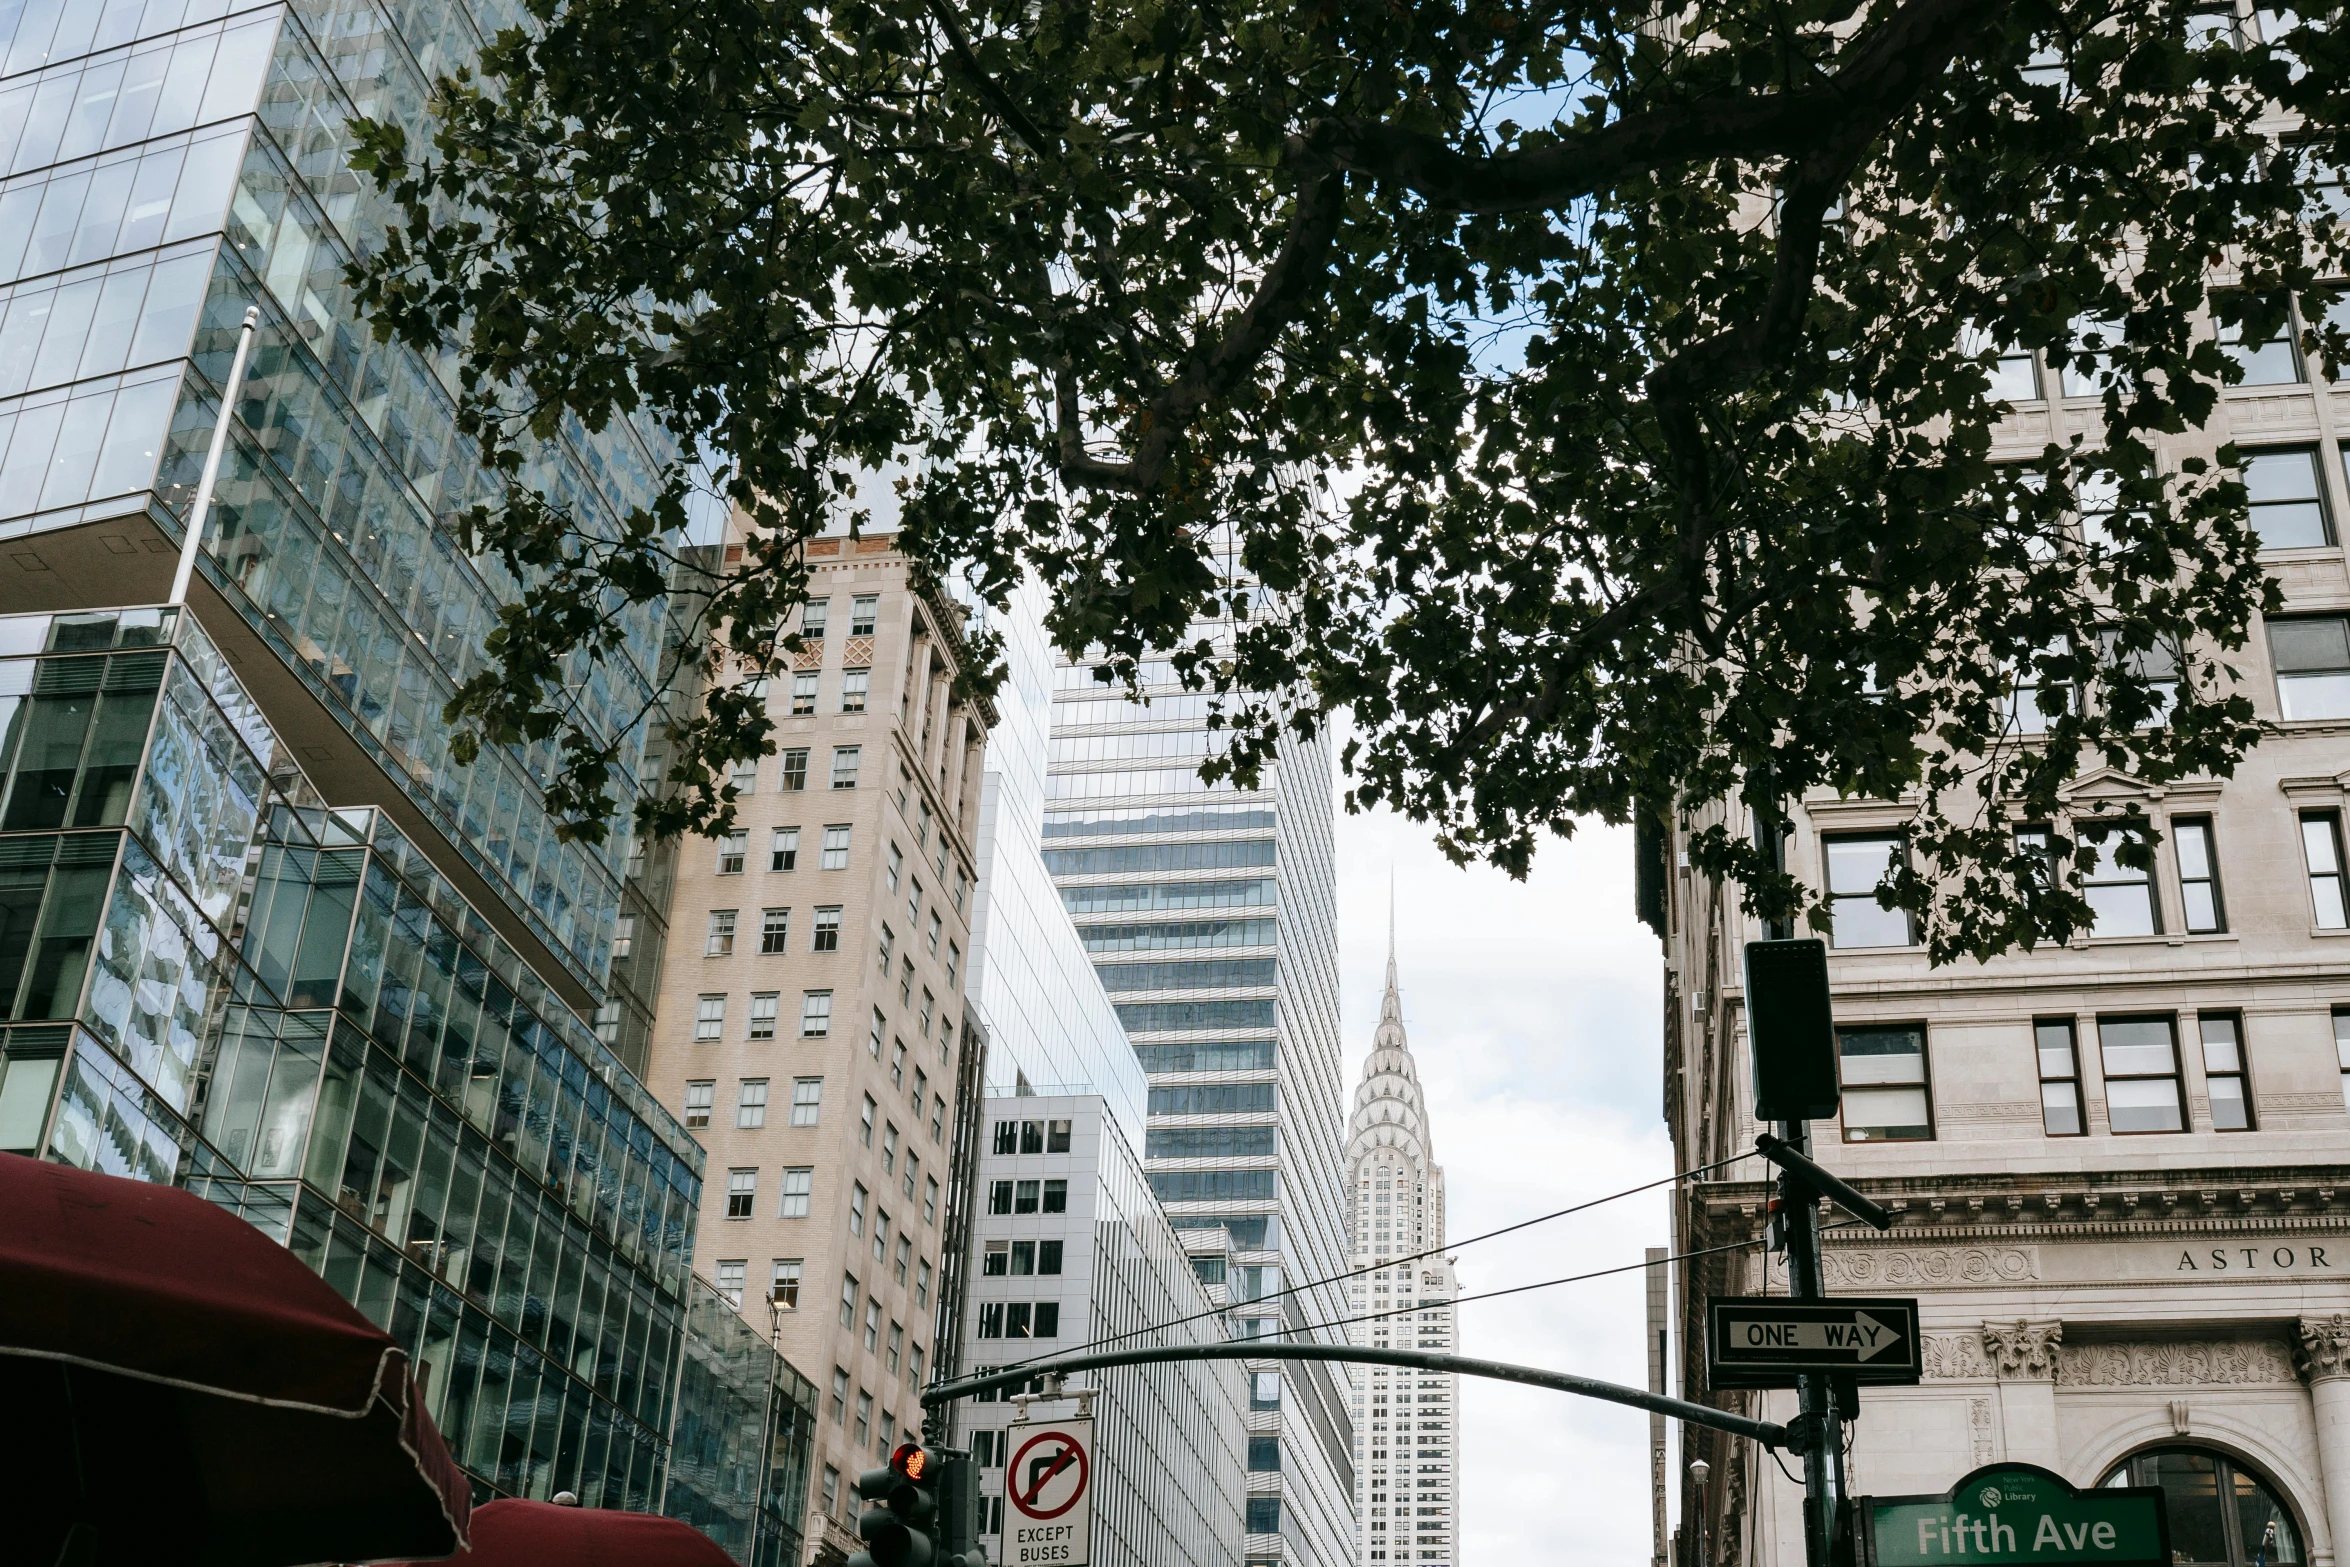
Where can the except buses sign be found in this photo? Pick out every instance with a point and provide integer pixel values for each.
(2012, 1514)
(1048, 1494)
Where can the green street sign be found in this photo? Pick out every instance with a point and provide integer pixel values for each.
(2016, 1514)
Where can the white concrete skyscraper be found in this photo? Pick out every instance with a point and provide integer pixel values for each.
(1407, 1423)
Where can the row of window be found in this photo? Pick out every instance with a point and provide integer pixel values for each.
(1019, 1137)
(1015, 1259)
(1888, 1094)
(1020, 1319)
(2124, 899)
(1138, 897)
(856, 685)
(792, 776)
(1028, 1196)
(816, 616)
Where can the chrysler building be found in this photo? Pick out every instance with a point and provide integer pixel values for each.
(1407, 1468)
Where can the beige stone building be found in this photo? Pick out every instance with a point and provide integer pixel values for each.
(810, 1023)
(2120, 1168)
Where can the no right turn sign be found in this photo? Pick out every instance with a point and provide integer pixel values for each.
(1048, 1495)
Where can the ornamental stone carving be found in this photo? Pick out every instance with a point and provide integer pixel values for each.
(2201, 1363)
(2325, 1347)
(1869, 1267)
(2023, 1348)
(1955, 1357)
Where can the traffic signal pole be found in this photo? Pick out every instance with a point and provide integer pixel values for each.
(1819, 1427)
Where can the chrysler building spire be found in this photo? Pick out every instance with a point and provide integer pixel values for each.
(1406, 1425)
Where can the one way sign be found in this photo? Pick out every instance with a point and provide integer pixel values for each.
(1766, 1341)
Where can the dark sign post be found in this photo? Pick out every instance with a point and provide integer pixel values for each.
(2007, 1515)
(1769, 1340)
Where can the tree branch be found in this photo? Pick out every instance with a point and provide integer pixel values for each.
(1881, 72)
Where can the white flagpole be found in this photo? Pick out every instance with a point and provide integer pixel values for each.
(193, 544)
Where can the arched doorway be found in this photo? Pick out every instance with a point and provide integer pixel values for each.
(2221, 1512)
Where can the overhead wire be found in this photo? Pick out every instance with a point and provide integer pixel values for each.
(1395, 1262)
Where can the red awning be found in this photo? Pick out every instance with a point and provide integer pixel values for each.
(510, 1533)
(175, 1386)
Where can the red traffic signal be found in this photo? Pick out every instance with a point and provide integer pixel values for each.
(914, 1462)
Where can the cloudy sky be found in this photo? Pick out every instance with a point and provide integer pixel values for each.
(1533, 1013)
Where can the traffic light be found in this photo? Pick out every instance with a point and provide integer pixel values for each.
(1790, 1031)
(901, 1509)
(958, 1510)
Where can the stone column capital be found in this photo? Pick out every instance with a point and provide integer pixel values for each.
(2023, 1348)
(2323, 1352)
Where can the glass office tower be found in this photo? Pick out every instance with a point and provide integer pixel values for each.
(261, 934)
(1210, 915)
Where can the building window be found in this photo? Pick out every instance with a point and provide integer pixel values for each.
(865, 1128)
(913, 1171)
(1264, 1390)
(730, 1281)
(731, 849)
(1007, 1137)
(2321, 848)
(864, 1417)
(826, 936)
(854, 684)
(864, 611)
(914, 1364)
(905, 1256)
(795, 770)
(2268, 361)
(922, 1284)
(783, 1288)
(774, 930)
(745, 777)
(813, 616)
(929, 1199)
(893, 864)
(1056, 1196)
(923, 1017)
(835, 856)
(848, 1300)
(995, 1261)
(2288, 506)
(872, 1325)
(750, 1110)
(1264, 1515)
(1855, 867)
(954, 957)
(2141, 1074)
(763, 1008)
(1048, 1319)
(1016, 1318)
(699, 1096)
(894, 1355)
(844, 766)
(807, 1100)
(720, 943)
(889, 1148)
(2220, 1512)
(742, 1193)
(2060, 1078)
(832, 1475)
(815, 1014)
(840, 1396)
(2121, 897)
(799, 1185)
(857, 1197)
(709, 1018)
(1048, 1257)
(783, 849)
(2202, 907)
(938, 1116)
(2312, 657)
(991, 1319)
(935, 926)
(1056, 1137)
(1885, 1092)
(889, 939)
(999, 1197)
(803, 693)
(2223, 1071)
(2342, 1050)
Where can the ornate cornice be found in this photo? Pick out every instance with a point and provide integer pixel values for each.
(2025, 1348)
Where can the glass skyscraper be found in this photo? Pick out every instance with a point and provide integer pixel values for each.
(258, 933)
(1210, 915)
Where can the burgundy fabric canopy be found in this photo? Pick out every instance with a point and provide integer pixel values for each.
(175, 1386)
(509, 1533)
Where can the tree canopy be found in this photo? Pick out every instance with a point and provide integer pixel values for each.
(1596, 401)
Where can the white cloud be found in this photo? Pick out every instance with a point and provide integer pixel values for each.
(1533, 1014)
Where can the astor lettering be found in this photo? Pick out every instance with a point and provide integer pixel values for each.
(2252, 1259)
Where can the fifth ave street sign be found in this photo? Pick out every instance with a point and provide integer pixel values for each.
(1767, 1340)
